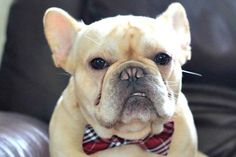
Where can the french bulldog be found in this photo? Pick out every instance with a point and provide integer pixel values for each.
(125, 85)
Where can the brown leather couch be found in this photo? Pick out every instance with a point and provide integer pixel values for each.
(30, 84)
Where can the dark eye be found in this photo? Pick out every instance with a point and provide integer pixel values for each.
(162, 59)
(98, 63)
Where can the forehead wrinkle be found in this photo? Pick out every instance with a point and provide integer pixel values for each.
(115, 43)
(132, 35)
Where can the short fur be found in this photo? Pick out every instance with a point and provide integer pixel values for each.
(102, 99)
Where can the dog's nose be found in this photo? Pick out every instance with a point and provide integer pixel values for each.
(132, 74)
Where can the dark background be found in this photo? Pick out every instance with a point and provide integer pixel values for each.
(30, 84)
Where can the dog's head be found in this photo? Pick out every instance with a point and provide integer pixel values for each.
(126, 69)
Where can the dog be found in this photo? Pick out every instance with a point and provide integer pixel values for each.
(124, 96)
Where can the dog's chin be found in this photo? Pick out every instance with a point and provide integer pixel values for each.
(133, 130)
(135, 121)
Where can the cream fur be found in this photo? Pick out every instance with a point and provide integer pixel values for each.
(125, 41)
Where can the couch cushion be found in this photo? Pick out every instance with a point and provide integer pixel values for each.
(214, 113)
(22, 136)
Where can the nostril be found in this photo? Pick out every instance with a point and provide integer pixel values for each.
(139, 73)
(124, 75)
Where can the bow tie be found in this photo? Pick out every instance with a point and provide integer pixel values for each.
(158, 144)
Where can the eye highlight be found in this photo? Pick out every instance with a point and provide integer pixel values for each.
(98, 64)
(162, 59)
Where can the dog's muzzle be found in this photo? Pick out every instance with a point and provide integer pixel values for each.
(137, 104)
(132, 93)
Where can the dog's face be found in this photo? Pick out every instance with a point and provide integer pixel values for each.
(126, 69)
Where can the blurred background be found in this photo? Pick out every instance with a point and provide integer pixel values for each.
(30, 84)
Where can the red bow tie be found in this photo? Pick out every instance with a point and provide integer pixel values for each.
(158, 144)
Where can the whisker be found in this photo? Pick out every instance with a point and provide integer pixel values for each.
(94, 41)
(192, 73)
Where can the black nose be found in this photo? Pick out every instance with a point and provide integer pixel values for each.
(132, 74)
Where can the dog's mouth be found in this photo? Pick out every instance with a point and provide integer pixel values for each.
(136, 110)
(137, 114)
(138, 106)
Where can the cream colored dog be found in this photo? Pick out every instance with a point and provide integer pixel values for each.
(125, 81)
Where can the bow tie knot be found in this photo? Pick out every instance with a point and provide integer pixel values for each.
(158, 144)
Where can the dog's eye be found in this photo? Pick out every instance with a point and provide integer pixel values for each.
(98, 63)
(162, 59)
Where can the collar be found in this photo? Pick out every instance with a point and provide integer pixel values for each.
(158, 144)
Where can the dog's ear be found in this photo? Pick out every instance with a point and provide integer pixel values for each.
(176, 16)
(60, 30)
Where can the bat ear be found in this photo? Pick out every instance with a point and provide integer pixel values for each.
(176, 16)
(60, 31)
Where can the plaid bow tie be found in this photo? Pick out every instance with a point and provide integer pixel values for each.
(158, 144)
